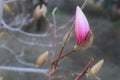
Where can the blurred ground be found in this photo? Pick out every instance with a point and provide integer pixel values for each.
(105, 46)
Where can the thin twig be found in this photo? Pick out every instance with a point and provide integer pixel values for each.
(67, 23)
(61, 57)
(8, 1)
(54, 63)
(84, 4)
(64, 43)
(66, 75)
(22, 52)
(16, 56)
(33, 43)
(85, 69)
(66, 54)
(54, 32)
(1, 10)
(23, 32)
(23, 69)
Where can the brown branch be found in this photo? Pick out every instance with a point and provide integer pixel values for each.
(68, 53)
(53, 66)
(61, 57)
(65, 75)
(85, 69)
(66, 39)
(64, 43)
(69, 32)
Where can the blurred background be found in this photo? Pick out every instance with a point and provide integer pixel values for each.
(104, 20)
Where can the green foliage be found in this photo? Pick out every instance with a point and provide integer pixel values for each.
(58, 12)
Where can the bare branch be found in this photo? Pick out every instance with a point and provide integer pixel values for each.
(23, 32)
(67, 23)
(54, 32)
(85, 69)
(17, 57)
(8, 1)
(65, 41)
(33, 43)
(1, 10)
(84, 4)
(66, 75)
(23, 69)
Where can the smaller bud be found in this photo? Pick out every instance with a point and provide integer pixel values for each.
(37, 13)
(1, 34)
(42, 59)
(6, 8)
(95, 69)
(1, 78)
(40, 12)
(43, 10)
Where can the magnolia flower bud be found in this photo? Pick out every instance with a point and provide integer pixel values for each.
(1, 34)
(37, 13)
(95, 69)
(42, 59)
(43, 10)
(40, 12)
(81, 26)
(1, 78)
(6, 8)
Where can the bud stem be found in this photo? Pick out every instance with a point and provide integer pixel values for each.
(84, 4)
(85, 69)
(55, 62)
(64, 43)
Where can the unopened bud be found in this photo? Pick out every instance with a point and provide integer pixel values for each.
(1, 78)
(43, 10)
(37, 13)
(1, 34)
(95, 69)
(82, 27)
(40, 12)
(6, 8)
(42, 59)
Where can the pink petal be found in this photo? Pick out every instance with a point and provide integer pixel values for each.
(81, 26)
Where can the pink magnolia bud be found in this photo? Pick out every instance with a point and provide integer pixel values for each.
(81, 26)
